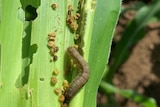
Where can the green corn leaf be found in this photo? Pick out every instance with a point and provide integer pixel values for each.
(25, 67)
(106, 15)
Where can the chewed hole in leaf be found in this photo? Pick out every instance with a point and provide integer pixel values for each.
(30, 13)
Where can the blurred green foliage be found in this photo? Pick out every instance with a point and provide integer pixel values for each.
(135, 30)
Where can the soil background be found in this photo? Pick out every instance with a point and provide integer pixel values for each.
(141, 71)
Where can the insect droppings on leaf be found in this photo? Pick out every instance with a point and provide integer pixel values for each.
(55, 72)
(57, 91)
(53, 80)
(54, 6)
(61, 98)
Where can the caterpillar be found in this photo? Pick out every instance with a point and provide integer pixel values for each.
(79, 81)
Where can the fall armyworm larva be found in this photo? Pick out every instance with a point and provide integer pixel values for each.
(82, 76)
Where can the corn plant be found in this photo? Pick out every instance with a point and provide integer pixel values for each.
(26, 66)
